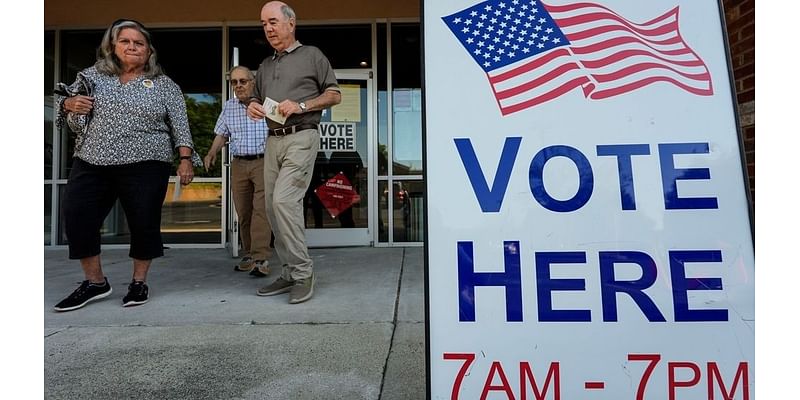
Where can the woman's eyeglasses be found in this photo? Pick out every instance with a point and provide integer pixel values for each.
(236, 82)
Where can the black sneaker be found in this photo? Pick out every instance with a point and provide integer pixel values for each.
(85, 293)
(137, 294)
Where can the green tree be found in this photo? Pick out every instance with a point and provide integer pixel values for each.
(202, 118)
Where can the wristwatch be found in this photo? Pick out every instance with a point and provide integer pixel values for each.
(303, 106)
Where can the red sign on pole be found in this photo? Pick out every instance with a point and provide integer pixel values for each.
(337, 194)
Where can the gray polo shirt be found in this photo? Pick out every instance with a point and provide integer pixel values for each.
(299, 73)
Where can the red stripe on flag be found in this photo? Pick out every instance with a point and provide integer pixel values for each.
(614, 91)
(564, 88)
(639, 67)
(567, 22)
(607, 44)
(605, 61)
(577, 6)
(529, 66)
(542, 79)
(591, 32)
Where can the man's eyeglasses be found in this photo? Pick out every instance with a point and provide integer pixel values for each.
(235, 82)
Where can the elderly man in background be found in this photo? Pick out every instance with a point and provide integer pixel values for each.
(301, 80)
(246, 139)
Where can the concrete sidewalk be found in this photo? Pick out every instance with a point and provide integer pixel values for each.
(205, 334)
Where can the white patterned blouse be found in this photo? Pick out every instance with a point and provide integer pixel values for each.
(143, 119)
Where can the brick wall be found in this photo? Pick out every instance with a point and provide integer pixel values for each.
(741, 22)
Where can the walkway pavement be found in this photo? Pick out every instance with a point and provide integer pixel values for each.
(205, 334)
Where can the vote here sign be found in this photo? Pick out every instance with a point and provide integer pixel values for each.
(588, 222)
(337, 136)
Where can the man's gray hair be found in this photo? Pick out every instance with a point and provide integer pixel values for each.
(249, 72)
(288, 12)
(108, 62)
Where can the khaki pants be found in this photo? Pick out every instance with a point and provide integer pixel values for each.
(247, 184)
(288, 167)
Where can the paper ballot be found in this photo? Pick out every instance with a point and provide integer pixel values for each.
(271, 109)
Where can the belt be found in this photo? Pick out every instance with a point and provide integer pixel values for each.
(250, 157)
(288, 130)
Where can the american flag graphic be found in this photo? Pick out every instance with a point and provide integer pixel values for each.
(533, 53)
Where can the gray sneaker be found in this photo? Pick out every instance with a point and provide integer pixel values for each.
(279, 286)
(302, 290)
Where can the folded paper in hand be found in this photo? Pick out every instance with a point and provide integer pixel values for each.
(271, 110)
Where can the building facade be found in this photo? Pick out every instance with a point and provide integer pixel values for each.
(375, 48)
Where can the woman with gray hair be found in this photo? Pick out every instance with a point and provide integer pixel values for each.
(130, 119)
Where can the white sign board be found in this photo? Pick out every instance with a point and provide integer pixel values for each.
(337, 136)
(588, 226)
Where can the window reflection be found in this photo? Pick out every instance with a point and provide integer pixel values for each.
(383, 135)
(67, 149)
(190, 214)
(406, 100)
(203, 109)
(383, 212)
(199, 79)
(407, 138)
(383, 103)
(399, 151)
(78, 51)
(48, 204)
(48, 137)
(406, 200)
(49, 84)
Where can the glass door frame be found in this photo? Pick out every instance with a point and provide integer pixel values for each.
(230, 220)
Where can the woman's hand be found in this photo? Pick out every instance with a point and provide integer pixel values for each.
(185, 172)
(79, 104)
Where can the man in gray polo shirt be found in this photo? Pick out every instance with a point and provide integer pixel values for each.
(300, 78)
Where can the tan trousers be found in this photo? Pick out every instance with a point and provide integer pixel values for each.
(247, 184)
(288, 167)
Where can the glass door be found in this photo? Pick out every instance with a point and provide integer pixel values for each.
(339, 202)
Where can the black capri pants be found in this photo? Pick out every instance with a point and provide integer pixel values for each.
(92, 191)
